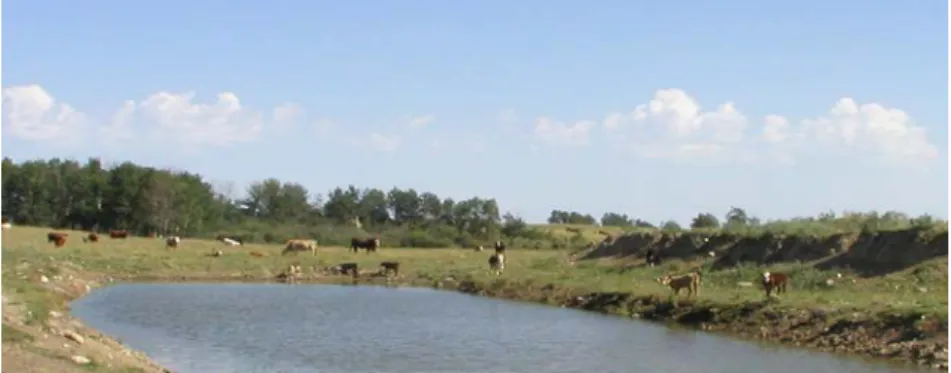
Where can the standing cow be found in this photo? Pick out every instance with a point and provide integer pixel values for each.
(172, 242)
(497, 263)
(370, 244)
(297, 246)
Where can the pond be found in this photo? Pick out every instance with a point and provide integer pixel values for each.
(207, 328)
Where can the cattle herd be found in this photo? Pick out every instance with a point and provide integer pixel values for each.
(771, 282)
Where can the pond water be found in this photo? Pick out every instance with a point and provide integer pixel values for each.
(271, 328)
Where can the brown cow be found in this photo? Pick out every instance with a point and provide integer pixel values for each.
(91, 237)
(391, 267)
(370, 244)
(690, 281)
(118, 234)
(51, 237)
(774, 280)
(60, 241)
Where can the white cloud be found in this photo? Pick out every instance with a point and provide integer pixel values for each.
(31, 113)
(323, 126)
(384, 143)
(872, 129)
(559, 134)
(673, 125)
(421, 121)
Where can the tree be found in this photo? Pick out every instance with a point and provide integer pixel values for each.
(704, 220)
(612, 219)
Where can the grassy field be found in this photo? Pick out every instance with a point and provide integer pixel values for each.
(922, 288)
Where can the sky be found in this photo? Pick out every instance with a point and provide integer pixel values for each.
(659, 110)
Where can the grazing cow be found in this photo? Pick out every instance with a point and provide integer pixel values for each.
(257, 254)
(689, 281)
(172, 242)
(497, 263)
(499, 247)
(349, 268)
(6, 223)
(51, 237)
(60, 241)
(296, 246)
(118, 234)
(774, 280)
(370, 244)
(231, 242)
(652, 258)
(391, 267)
(91, 237)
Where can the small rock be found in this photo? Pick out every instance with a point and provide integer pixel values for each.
(56, 314)
(922, 290)
(75, 337)
(81, 360)
(43, 279)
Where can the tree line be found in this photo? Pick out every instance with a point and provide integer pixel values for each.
(90, 196)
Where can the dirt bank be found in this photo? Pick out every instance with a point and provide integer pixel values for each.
(905, 338)
(866, 253)
(40, 336)
(48, 340)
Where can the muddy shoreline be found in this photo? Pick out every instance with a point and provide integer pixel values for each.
(907, 339)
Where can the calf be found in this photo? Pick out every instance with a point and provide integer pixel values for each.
(651, 258)
(296, 246)
(118, 234)
(391, 267)
(51, 237)
(91, 237)
(774, 281)
(369, 244)
(172, 242)
(497, 263)
(349, 268)
(689, 281)
(499, 247)
(60, 241)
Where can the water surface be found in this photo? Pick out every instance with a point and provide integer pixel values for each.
(271, 328)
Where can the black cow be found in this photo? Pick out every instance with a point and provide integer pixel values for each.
(652, 258)
(391, 267)
(499, 247)
(370, 244)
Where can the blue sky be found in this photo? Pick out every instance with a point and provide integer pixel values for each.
(655, 109)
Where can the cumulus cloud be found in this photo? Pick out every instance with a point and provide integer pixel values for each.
(555, 133)
(31, 113)
(673, 125)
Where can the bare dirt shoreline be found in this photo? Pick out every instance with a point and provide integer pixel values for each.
(63, 344)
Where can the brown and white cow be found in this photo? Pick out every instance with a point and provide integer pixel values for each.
(369, 244)
(172, 242)
(91, 237)
(497, 263)
(774, 281)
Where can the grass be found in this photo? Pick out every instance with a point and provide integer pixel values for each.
(920, 289)
(14, 335)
